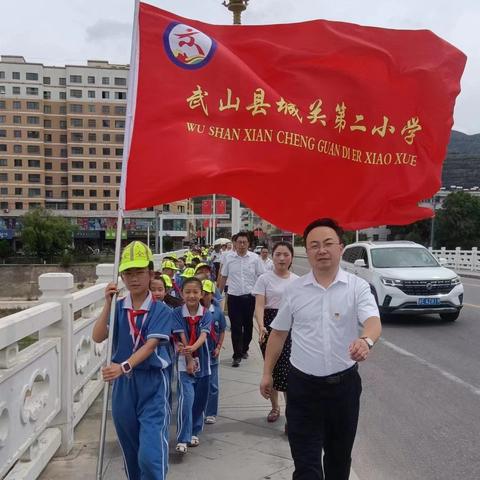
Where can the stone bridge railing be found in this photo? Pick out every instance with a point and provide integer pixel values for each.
(49, 372)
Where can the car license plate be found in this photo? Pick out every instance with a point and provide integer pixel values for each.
(428, 301)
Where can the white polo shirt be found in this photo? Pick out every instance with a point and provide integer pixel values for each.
(268, 264)
(324, 321)
(242, 272)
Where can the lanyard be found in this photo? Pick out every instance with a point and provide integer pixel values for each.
(135, 332)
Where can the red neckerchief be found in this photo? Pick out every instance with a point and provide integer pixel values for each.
(134, 330)
(192, 330)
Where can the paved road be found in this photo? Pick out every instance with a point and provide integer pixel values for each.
(420, 416)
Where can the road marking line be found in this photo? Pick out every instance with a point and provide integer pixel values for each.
(446, 374)
(471, 305)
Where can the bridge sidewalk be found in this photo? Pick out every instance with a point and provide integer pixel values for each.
(240, 446)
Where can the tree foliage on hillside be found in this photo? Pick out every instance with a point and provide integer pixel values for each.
(45, 235)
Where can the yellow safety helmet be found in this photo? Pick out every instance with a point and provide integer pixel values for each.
(135, 255)
(188, 272)
(208, 286)
(202, 265)
(169, 264)
(167, 280)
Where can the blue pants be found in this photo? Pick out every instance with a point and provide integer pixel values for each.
(212, 404)
(141, 415)
(192, 400)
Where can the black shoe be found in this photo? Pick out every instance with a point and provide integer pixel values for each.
(245, 356)
(236, 362)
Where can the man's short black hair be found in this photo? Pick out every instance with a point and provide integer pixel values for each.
(242, 234)
(323, 222)
(234, 237)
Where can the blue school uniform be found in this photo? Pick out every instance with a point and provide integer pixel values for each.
(192, 389)
(219, 325)
(140, 409)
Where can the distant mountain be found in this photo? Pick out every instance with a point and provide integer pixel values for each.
(462, 165)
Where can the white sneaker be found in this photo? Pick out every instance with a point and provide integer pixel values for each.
(210, 420)
(181, 448)
(194, 442)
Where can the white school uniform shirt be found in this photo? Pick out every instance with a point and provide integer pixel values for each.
(267, 264)
(324, 321)
(242, 272)
(272, 287)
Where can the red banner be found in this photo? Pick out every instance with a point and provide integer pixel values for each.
(206, 207)
(220, 207)
(299, 121)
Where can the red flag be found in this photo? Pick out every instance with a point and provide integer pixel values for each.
(297, 120)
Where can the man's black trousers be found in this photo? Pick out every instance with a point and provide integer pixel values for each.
(240, 312)
(322, 414)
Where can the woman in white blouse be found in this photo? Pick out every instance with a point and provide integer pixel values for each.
(268, 293)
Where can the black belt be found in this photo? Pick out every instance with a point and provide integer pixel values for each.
(333, 379)
(248, 295)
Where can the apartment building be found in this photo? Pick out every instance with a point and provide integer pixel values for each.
(61, 147)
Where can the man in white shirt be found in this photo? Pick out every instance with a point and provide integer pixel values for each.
(324, 310)
(267, 262)
(242, 269)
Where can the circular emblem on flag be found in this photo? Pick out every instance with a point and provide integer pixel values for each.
(188, 47)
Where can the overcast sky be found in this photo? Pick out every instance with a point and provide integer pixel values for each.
(58, 32)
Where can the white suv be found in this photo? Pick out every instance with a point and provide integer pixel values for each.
(405, 278)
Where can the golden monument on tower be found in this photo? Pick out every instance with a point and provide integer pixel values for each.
(236, 7)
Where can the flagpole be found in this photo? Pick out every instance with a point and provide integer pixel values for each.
(131, 100)
(214, 218)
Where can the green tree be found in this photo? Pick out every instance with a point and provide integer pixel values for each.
(5, 249)
(457, 223)
(44, 234)
(418, 232)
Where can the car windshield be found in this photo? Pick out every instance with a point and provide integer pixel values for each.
(399, 257)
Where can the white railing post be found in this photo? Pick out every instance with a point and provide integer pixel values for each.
(104, 273)
(474, 264)
(58, 287)
(457, 259)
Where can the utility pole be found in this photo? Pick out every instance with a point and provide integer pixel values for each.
(237, 7)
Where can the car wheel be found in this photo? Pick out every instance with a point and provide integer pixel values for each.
(449, 317)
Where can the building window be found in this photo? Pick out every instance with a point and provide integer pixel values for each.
(92, 151)
(18, 191)
(106, 137)
(17, 162)
(64, 194)
(92, 178)
(119, 123)
(77, 164)
(106, 165)
(47, 123)
(33, 178)
(106, 179)
(77, 150)
(47, 152)
(76, 137)
(63, 138)
(105, 123)
(18, 206)
(48, 193)
(62, 124)
(93, 206)
(3, 162)
(17, 119)
(118, 165)
(47, 137)
(76, 122)
(33, 134)
(3, 147)
(91, 108)
(31, 76)
(18, 177)
(17, 134)
(3, 105)
(4, 177)
(78, 192)
(92, 164)
(2, 75)
(33, 120)
(3, 118)
(120, 95)
(77, 178)
(105, 94)
(120, 81)
(34, 163)
(3, 133)
(118, 179)
(62, 81)
(32, 91)
(120, 110)
(16, 75)
(16, 90)
(119, 152)
(33, 106)
(76, 108)
(3, 190)
(34, 192)
(92, 137)
(48, 180)
(33, 149)
(77, 206)
(90, 79)
(64, 167)
(92, 193)
(75, 79)
(105, 81)
(62, 95)
(62, 110)
(92, 123)
(106, 193)
(47, 108)
(76, 93)
(48, 165)
(47, 95)
(105, 151)
(91, 94)
(63, 180)
(106, 109)
(17, 149)
(106, 206)
(46, 80)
